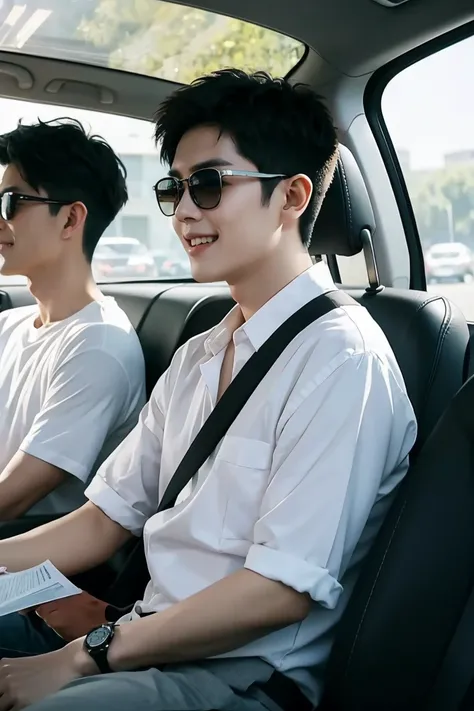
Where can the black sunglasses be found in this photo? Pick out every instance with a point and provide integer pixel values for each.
(205, 188)
(9, 203)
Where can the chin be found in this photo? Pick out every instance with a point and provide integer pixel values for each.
(207, 276)
(9, 271)
(5, 271)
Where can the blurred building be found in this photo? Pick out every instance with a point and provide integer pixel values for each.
(465, 157)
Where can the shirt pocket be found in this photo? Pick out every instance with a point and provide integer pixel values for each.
(243, 466)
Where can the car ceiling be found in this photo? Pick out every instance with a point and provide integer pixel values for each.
(353, 36)
(347, 38)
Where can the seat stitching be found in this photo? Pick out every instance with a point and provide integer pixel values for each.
(442, 335)
(342, 173)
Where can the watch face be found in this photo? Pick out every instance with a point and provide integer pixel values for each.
(97, 637)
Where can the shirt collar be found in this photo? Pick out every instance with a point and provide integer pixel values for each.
(221, 334)
(311, 283)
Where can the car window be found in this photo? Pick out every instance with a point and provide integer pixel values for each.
(121, 247)
(429, 111)
(161, 39)
(140, 243)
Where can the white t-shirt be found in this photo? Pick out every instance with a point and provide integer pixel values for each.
(69, 392)
(297, 488)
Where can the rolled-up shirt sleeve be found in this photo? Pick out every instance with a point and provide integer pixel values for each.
(126, 487)
(334, 451)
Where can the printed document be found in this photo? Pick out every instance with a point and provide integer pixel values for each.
(32, 587)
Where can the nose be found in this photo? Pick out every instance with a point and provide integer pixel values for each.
(187, 208)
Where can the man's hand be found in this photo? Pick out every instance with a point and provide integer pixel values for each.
(25, 681)
(73, 617)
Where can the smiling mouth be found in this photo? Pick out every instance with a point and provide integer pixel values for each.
(196, 241)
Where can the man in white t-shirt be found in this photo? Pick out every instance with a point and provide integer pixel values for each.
(251, 569)
(71, 367)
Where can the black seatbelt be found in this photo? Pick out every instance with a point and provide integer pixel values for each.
(457, 670)
(133, 578)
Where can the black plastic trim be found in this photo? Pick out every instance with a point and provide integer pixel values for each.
(334, 268)
(300, 61)
(373, 109)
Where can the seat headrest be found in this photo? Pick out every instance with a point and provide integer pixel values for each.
(345, 212)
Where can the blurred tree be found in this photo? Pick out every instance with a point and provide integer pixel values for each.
(179, 43)
(436, 196)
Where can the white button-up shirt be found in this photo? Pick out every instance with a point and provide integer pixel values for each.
(298, 487)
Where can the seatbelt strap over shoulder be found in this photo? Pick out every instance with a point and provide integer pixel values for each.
(242, 387)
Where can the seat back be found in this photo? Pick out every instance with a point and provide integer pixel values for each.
(428, 334)
(416, 580)
(175, 316)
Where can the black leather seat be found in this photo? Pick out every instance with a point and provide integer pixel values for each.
(428, 334)
(413, 587)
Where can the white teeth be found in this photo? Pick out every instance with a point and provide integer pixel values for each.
(202, 240)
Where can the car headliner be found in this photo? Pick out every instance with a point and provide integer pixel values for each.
(354, 36)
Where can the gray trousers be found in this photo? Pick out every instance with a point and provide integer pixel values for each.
(212, 685)
(191, 687)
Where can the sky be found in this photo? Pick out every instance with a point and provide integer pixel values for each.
(429, 107)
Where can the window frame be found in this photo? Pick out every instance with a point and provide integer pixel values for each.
(373, 110)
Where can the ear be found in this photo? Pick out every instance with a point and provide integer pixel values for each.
(299, 189)
(74, 219)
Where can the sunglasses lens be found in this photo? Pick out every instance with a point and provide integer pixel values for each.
(7, 206)
(205, 188)
(167, 195)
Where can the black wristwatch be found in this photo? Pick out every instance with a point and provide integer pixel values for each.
(97, 644)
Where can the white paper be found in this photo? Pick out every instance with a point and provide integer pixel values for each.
(35, 586)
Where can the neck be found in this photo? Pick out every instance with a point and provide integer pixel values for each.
(267, 279)
(63, 292)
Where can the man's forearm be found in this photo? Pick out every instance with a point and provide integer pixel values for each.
(24, 481)
(227, 615)
(75, 543)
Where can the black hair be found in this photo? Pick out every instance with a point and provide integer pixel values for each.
(68, 164)
(279, 127)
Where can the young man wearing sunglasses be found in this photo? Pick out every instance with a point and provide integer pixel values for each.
(71, 366)
(252, 567)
